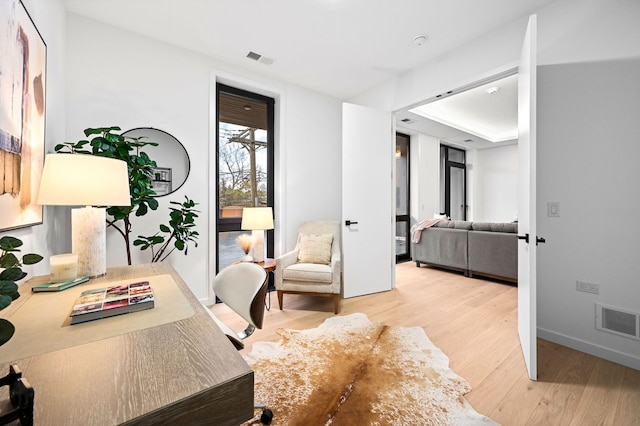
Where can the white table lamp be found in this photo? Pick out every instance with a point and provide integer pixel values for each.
(257, 219)
(89, 180)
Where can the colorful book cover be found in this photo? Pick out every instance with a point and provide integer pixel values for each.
(113, 300)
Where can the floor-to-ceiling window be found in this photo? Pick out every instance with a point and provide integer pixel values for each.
(453, 182)
(403, 240)
(245, 166)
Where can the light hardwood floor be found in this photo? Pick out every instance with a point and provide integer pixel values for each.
(473, 321)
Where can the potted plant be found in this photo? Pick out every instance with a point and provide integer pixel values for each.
(11, 273)
(181, 231)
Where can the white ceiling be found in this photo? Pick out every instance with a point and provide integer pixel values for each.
(471, 118)
(337, 47)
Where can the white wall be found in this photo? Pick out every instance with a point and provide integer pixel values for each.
(588, 156)
(425, 177)
(120, 78)
(49, 17)
(496, 184)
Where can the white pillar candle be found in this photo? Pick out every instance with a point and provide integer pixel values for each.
(64, 267)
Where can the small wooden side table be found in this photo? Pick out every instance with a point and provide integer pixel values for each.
(268, 264)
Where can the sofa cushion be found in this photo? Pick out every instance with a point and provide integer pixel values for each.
(495, 227)
(308, 272)
(455, 224)
(315, 248)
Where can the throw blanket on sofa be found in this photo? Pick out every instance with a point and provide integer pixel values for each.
(416, 230)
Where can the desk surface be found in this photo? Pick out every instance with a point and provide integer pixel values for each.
(180, 372)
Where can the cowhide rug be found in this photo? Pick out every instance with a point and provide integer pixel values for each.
(351, 371)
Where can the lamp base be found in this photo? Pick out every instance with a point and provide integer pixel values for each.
(89, 240)
(258, 245)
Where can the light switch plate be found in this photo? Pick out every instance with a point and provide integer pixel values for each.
(553, 209)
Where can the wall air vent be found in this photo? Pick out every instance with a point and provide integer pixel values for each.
(622, 322)
(407, 121)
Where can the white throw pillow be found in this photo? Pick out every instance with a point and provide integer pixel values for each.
(440, 216)
(315, 248)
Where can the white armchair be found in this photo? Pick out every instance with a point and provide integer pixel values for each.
(313, 267)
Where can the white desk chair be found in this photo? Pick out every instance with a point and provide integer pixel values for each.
(243, 287)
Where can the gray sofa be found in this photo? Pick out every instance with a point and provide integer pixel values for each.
(474, 248)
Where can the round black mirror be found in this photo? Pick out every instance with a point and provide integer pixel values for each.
(170, 156)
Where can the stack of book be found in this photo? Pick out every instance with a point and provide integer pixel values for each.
(110, 301)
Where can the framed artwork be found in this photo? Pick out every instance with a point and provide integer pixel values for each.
(22, 116)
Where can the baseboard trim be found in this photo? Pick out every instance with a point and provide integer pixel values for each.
(590, 348)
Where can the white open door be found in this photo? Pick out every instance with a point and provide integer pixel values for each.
(527, 320)
(368, 256)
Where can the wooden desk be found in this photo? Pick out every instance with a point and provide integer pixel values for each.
(181, 372)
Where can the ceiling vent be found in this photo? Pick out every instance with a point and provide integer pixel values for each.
(258, 57)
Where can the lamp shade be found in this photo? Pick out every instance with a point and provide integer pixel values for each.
(256, 218)
(84, 180)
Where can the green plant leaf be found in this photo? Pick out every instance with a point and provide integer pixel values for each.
(8, 287)
(9, 260)
(164, 228)
(31, 259)
(9, 243)
(6, 331)
(5, 300)
(11, 274)
(142, 210)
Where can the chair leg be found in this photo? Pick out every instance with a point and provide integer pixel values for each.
(280, 294)
(336, 303)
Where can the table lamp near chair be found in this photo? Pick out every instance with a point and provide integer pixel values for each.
(257, 220)
(89, 180)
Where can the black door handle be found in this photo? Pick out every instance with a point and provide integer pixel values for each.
(540, 240)
(349, 223)
(525, 238)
